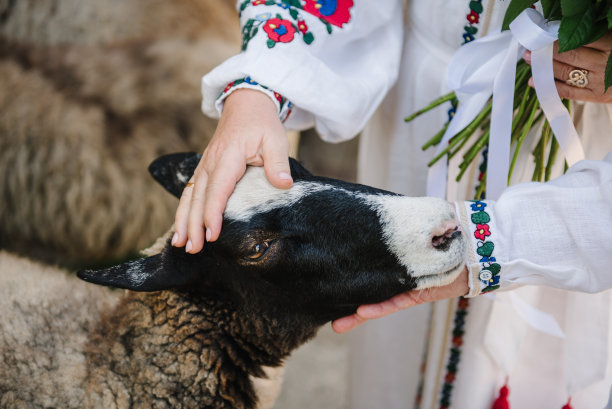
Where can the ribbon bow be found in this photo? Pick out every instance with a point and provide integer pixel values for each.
(487, 67)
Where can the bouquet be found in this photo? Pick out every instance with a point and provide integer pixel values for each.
(581, 22)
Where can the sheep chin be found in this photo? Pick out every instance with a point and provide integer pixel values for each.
(439, 280)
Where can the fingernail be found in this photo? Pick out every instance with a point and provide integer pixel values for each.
(174, 238)
(188, 246)
(284, 176)
(208, 234)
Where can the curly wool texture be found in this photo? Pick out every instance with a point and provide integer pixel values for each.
(65, 343)
(90, 94)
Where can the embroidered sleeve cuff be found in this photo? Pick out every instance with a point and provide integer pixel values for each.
(282, 104)
(479, 225)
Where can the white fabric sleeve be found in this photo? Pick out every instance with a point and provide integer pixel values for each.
(557, 234)
(333, 60)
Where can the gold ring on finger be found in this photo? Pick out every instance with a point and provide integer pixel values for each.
(189, 184)
(578, 78)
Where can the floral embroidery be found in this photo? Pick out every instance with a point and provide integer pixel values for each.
(284, 105)
(281, 30)
(470, 30)
(482, 230)
(336, 12)
(489, 268)
(452, 366)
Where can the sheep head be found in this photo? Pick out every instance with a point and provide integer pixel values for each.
(319, 249)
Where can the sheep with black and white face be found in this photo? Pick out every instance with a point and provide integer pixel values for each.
(197, 330)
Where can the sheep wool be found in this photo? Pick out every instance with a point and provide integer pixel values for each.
(68, 344)
(90, 94)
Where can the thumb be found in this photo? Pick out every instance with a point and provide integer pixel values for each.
(275, 152)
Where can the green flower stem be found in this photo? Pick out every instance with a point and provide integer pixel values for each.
(437, 137)
(523, 112)
(465, 133)
(448, 97)
(481, 186)
(469, 156)
(552, 155)
(539, 153)
(533, 109)
(465, 140)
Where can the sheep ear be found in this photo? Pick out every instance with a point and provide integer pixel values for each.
(174, 171)
(146, 274)
(297, 170)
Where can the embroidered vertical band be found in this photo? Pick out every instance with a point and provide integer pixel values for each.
(484, 268)
(283, 105)
(454, 356)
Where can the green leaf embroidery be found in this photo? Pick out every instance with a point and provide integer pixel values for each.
(573, 7)
(490, 288)
(476, 6)
(471, 29)
(271, 43)
(308, 37)
(486, 249)
(480, 218)
(329, 27)
(294, 14)
(494, 268)
(270, 3)
(576, 30)
(515, 8)
(608, 76)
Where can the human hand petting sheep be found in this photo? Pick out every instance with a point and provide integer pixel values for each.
(249, 133)
(592, 58)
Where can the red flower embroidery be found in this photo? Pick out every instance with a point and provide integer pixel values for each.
(482, 230)
(258, 2)
(278, 97)
(228, 87)
(336, 12)
(302, 26)
(280, 31)
(449, 378)
(473, 17)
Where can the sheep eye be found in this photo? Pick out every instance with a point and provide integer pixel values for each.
(258, 250)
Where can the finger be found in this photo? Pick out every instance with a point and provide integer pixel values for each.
(575, 93)
(220, 186)
(195, 219)
(603, 44)
(182, 216)
(583, 57)
(345, 324)
(275, 152)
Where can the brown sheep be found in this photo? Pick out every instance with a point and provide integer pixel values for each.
(90, 93)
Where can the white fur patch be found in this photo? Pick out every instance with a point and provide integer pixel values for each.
(409, 224)
(254, 194)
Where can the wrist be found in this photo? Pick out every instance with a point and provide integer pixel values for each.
(251, 94)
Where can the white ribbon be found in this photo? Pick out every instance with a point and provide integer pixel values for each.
(487, 67)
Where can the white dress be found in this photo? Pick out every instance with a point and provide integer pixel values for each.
(331, 67)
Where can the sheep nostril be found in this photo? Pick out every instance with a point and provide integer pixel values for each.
(443, 241)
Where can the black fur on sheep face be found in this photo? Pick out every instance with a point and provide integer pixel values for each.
(315, 251)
